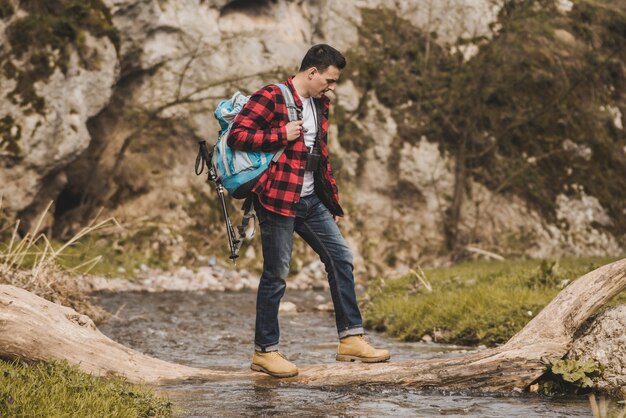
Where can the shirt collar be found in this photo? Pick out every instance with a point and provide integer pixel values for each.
(296, 97)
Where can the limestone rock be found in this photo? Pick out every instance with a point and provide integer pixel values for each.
(603, 339)
(52, 138)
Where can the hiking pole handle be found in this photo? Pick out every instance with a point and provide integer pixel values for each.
(204, 158)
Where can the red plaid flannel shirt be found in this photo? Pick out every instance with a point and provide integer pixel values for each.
(260, 126)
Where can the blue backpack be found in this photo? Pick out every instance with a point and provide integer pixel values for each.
(238, 170)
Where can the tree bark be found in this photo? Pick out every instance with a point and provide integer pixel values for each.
(34, 329)
(453, 212)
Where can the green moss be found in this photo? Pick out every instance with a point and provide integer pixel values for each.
(570, 376)
(351, 137)
(391, 58)
(57, 389)
(577, 373)
(61, 21)
(10, 135)
(471, 303)
(6, 9)
(9, 69)
(47, 35)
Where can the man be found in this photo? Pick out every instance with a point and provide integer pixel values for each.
(297, 193)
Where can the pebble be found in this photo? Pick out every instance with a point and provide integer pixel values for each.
(210, 277)
(288, 307)
(325, 307)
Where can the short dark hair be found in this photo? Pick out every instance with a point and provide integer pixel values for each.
(322, 56)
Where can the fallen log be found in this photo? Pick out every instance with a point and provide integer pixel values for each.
(32, 328)
(514, 365)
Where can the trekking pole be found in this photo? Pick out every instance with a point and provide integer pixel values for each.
(204, 154)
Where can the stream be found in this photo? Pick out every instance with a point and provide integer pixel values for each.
(215, 330)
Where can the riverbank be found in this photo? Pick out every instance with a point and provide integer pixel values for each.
(472, 303)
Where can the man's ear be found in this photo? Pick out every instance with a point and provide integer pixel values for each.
(311, 72)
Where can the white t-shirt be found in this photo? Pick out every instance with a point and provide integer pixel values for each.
(310, 130)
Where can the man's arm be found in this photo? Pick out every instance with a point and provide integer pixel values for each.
(252, 131)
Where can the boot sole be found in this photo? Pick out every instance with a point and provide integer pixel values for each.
(258, 368)
(344, 357)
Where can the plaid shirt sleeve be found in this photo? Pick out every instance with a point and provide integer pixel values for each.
(255, 128)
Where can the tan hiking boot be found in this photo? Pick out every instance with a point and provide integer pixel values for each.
(273, 363)
(356, 347)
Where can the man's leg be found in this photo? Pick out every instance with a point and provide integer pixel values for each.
(277, 239)
(316, 226)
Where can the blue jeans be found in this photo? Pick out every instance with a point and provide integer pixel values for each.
(315, 224)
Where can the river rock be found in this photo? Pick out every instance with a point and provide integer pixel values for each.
(603, 339)
(288, 307)
(107, 284)
(325, 307)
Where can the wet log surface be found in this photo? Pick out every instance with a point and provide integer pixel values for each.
(34, 329)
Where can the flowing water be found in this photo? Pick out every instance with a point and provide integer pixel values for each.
(215, 330)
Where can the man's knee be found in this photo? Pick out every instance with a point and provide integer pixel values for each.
(276, 271)
(340, 256)
(346, 256)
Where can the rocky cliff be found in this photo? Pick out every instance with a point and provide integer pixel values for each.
(459, 126)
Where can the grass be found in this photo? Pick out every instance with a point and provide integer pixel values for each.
(116, 257)
(32, 262)
(478, 302)
(60, 390)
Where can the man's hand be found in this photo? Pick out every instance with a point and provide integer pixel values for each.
(294, 130)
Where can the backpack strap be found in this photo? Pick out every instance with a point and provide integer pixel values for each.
(292, 112)
(245, 229)
(290, 102)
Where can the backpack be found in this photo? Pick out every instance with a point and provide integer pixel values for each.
(238, 170)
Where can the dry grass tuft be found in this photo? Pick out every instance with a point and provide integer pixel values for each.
(31, 262)
(601, 407)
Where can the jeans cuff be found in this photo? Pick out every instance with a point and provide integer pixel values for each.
(358, 330)
(267, 349)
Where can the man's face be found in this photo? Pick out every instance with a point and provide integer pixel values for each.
(321, 82)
